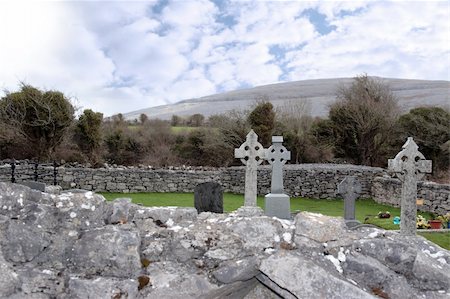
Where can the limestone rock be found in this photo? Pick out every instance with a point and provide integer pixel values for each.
(81, 210)
(258, 232)
(9, 279)
(64, 246)
(240, 270)
(109, 251)
(121, 211)
(174, 280)
(304, 279)
(163, 214)
(22, 243)
(318, 227)
(102, 288)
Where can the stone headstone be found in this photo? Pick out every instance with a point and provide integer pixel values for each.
(34, 185)
(251, 153)
(350, 189)
(208, 197)
(276, 202)
(409, 165)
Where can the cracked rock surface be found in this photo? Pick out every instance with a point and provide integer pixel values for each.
(78, 245)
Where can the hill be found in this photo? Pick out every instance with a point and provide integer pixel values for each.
(318, 93)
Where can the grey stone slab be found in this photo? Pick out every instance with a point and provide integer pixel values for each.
(277, 205)
(251, 153)
(34, 185)
(409, 165)
(208, 197)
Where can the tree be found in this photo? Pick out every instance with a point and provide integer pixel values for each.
(88, 133)
(41, 118)
(262, 121)
(363, 119)
(196, 120)
(143, 118)
(430, 128)
(176, 120)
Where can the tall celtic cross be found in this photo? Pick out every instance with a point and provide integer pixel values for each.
(409, 165)
(251, 153)
(277, 155)
(350, 189)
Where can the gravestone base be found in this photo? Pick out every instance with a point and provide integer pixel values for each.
(352, 223)
(277, 205)
(247, 211)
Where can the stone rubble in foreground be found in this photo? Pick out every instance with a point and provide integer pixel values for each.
(77, 245)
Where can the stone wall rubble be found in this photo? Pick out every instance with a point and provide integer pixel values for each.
(77, 245)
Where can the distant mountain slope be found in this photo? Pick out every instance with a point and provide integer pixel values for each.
(319, 93)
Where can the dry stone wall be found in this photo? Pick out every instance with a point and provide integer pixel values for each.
(306, 180)
(436, 197)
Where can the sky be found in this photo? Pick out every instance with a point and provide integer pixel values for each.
(120, 56)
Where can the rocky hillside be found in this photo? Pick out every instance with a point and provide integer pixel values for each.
(77, 245)
(318, 93)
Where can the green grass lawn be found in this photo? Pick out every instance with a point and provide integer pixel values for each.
(179, 130)
(366, 209)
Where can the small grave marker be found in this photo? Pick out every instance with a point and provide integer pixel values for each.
(276, 202)
(208, 197)
(350, 189)
(34, 185)
(409, 165)
(251, 153)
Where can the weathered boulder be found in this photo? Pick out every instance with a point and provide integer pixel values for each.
(9, 279)
(302, 278)
(109, 251)
(102, 288)
(22, 243)
(81, 210)
(121, 211)
(319, 228)
(238, 270)
(175, 280)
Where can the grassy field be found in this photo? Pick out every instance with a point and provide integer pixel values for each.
(179, 130)
(366, 209)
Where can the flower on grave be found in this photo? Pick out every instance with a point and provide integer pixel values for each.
(421, 222)
(444, 218)
(384, 214)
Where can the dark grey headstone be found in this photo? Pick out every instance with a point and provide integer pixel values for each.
(208, 197)
(34, 185)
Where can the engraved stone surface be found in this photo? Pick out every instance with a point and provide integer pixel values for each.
(208, 197)
(409, 165)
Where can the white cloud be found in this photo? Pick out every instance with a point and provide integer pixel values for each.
(413, 46)
(121, 56)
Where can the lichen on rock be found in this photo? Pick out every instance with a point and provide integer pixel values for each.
(77, 245)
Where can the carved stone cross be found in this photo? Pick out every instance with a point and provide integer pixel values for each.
(251, 154)
(277, 203)
(350, 189)
(277, 156)
(409, 165)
